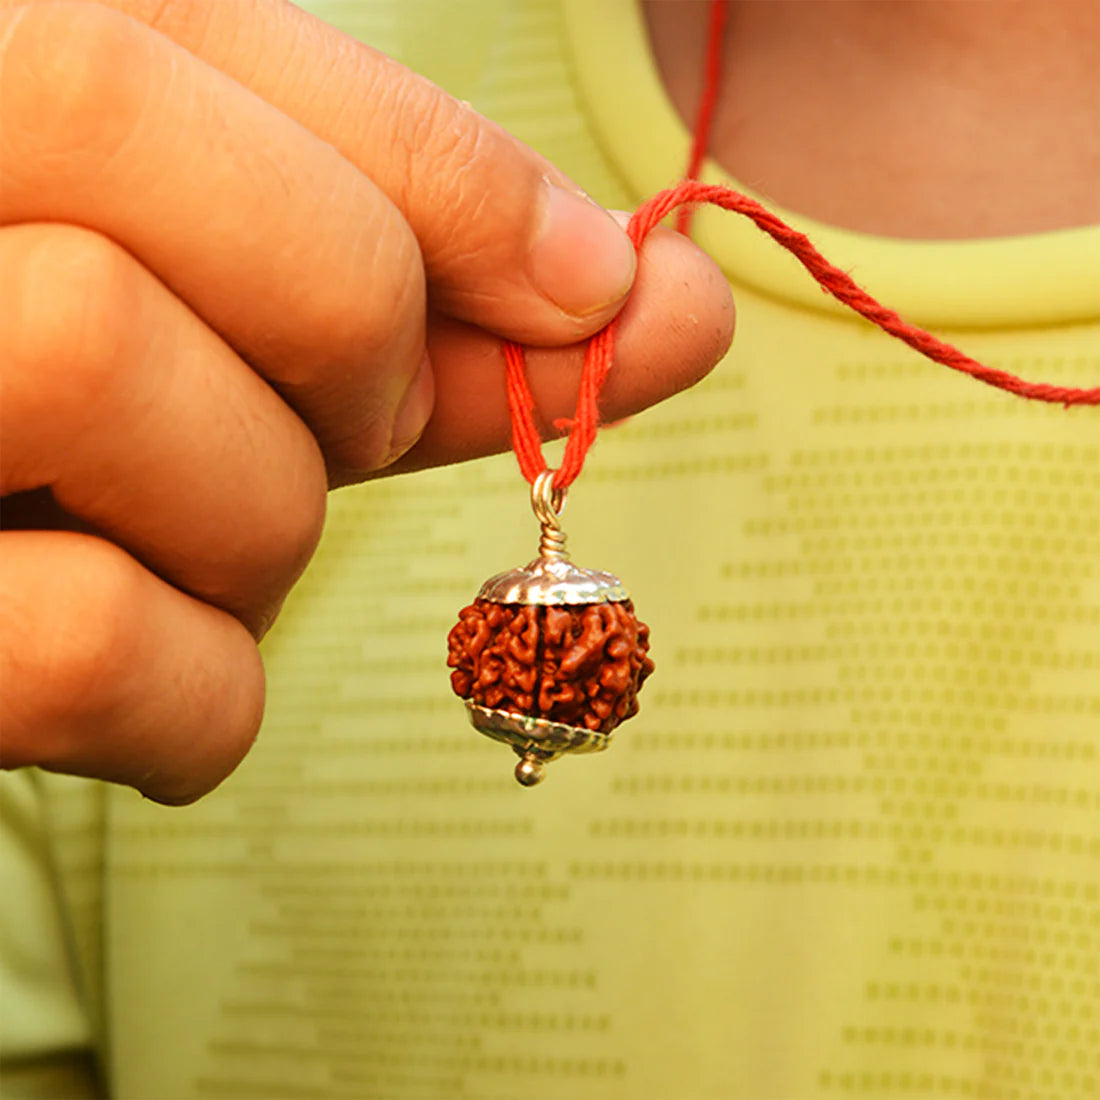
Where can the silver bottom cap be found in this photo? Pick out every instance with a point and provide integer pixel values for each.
(535, 740)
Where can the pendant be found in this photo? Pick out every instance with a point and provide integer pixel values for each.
(549, 657)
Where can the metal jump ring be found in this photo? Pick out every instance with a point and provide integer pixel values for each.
(547, 502)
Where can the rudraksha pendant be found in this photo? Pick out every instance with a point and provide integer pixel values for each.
(549, 657)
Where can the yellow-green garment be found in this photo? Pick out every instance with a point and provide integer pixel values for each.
(850, 846)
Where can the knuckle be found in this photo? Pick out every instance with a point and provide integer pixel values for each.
(311, 516)
(90, 647)
(71, 655)
(253, 587)
(368, 331)
(90, 689)
(186, 21)
(71, 323)
(450, 155)
(261, 535)
(444, 133)
(383, 292)
(87, 663)
(237, 719)
(75, 82)
(443, 157)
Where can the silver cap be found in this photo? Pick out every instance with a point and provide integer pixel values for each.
(550, 581)
(536, 741)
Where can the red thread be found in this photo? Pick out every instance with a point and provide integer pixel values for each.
(600, 352)
(708, 100)
(598, 357)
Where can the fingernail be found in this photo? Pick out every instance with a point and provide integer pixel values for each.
(581, 259)
(413, 412)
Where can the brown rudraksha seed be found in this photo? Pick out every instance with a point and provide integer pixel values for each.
(549, 657)
(575, 665)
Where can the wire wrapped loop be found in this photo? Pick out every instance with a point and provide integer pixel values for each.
(548, 504)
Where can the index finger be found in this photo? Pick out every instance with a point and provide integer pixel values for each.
(509, 242)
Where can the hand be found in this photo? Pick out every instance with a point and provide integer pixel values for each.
(220, 229)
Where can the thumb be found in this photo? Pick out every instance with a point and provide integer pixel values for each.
(509, 242)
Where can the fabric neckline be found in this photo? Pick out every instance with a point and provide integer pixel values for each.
(986, 283)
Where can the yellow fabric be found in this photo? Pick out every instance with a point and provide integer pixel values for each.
(850, 844)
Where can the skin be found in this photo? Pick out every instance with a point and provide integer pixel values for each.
(907, 118)
(172, 175)
(244, 259)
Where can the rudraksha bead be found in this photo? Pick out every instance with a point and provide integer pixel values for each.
(549, 658)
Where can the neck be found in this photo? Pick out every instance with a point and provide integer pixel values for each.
(910, 118)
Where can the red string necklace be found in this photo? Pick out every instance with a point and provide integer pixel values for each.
(684, 197)
(550, 657)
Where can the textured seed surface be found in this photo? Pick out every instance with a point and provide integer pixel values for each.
(581, 666)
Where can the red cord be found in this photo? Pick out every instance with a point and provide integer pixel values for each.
(598, 358)
(708, 100)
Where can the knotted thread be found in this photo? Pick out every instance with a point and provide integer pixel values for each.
(600, 351)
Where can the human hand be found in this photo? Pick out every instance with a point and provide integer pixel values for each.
(228, 236)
